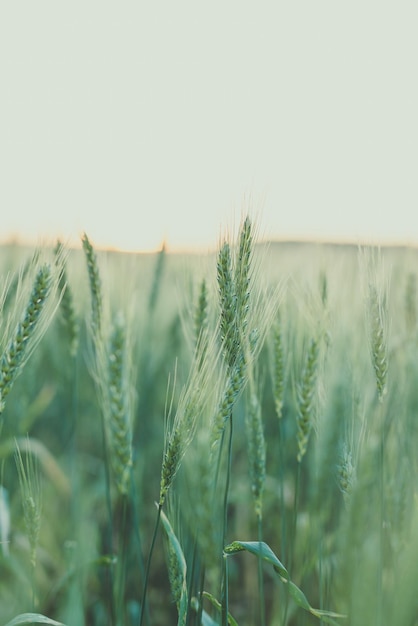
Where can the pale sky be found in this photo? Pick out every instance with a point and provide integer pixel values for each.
(142, 121)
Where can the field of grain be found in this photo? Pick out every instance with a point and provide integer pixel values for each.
(209, 439)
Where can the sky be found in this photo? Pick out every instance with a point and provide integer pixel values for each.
(139, 122)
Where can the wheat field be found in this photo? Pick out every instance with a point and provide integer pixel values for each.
(224, 438)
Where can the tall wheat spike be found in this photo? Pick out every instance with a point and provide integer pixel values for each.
(411, 308)
(378, 323)
(21, 344)
(346, 473)
(279, 370)
(306, 397)
(95, 286)
(201, 323)
(31, 499)
(256, 451)
(119, 409)
(68, 313)
(229, 330)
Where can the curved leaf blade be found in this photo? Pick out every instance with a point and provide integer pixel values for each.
(263, 551)
(175, 544)
(260, 549)
(33, 618)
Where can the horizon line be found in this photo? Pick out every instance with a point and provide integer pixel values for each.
(48, 241)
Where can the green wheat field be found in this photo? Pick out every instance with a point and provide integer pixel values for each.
(224, 438)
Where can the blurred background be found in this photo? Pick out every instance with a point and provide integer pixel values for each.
(144, 122)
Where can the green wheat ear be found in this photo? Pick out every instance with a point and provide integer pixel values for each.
(67, 309)
(346, 473)
(201, 324)
(279, 369)
(23, 341)
(95, 286)
(306, 396)
(256, 451)
(30, 487)
(119, 408)
(411, 309)
(378, 340)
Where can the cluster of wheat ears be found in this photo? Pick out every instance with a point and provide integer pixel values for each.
(247, 456)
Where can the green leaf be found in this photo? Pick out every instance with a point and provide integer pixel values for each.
(262, 550)
(327, 616)
(33, 618)
(207, 620)
(218, 606)
(299, 597)
(175, 544)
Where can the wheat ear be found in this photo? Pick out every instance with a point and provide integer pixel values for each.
(95, 286)
(279, 370)
(346, 473)
(256, 451)
(378, 317)
(20, 346)
(306, 396)
(31, 499)
(411, 312)
(68, 313)
(119, 414)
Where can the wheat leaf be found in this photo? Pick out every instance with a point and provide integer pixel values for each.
(261, 549)
(33, 618)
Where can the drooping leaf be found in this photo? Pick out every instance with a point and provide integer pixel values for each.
(260, 549)
(207, 620)
(263, 551)
(299, 597)
(181, 562)
(33, 618)
(218, 606)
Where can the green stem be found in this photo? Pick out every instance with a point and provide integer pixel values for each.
(32, 584)
(321, 581)
(201, 588)
(136, 526)
(294, 521)
(74, 437)
(379, 612)
(147, 569)
(260, 573)
(109, 530)
(292, 543)
(191, 582)
(281, 492)
(122, 562)
(218, 462)
(224, 583)
(227, 483)
(225, 595)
